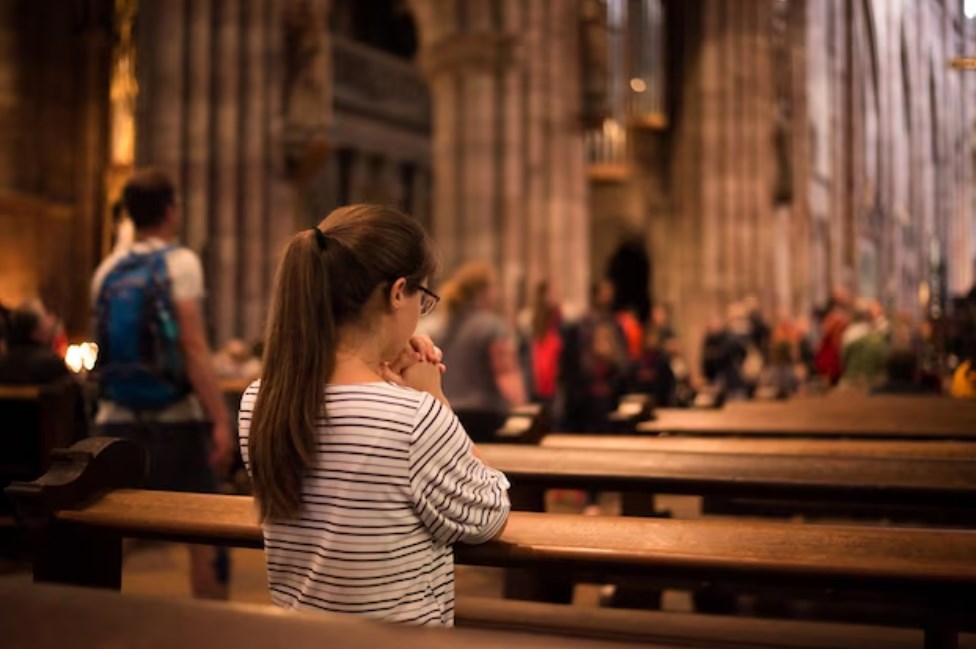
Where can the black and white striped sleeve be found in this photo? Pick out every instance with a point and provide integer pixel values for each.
(456, 496)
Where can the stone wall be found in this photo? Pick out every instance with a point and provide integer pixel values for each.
(810, 144)
(54, 62)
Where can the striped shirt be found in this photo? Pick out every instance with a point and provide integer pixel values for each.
(394, 484)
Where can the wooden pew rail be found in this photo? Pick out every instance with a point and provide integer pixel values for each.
(936, 570)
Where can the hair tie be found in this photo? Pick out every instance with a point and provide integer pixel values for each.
(320, 238)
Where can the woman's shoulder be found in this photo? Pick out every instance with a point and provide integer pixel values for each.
(250, 394)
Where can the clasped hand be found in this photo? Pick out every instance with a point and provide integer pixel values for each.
(418, 366)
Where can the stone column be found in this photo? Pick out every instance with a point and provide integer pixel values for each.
(360, 177)
(196, 170)
(160, 57)
(11, 131)
(280, 199)
(389, 188)
(719, 243)
(506, 188)
(253, 162)
(534, 149)
(420, 208)
(513, 220)
(226, 206)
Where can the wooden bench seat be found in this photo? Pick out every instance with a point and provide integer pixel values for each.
(929, 568)
(934, 570)
(938, 483)
(681, 629)
(766, 446)
(51, 617)
(863, 423)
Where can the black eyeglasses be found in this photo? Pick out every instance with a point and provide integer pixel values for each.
(428, 300)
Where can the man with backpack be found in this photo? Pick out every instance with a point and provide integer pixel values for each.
(156, 378)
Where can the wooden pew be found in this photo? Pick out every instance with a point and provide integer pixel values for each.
(54, 617)
(682, 629)
(80, 535)
(765, 446)
(863, 419)
(937, 483)
(937, 569)
(34, 420)
(105, 620)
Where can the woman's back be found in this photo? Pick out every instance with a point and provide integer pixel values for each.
(392, 485)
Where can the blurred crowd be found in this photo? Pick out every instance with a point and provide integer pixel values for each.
(581, 366)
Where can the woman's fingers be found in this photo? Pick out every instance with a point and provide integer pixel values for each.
(407, 358)
(424, 346)
(390, 375)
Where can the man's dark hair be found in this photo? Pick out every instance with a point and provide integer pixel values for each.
(23, 322)
(147, 196)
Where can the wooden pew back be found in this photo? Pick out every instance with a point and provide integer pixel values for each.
(905, 418)
(766, 446)
(893, 481)
(34, 420)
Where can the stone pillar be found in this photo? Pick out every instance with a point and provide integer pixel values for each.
(253, 161)
(226, 224)
(513, 220)
(447, 198)
(160, 56)
(718, 246)
(280, 199)
(420, 207)
(10, 102)
(505, 129)
(196, 170)
(360, 177)
(534, 148)
(93, 152)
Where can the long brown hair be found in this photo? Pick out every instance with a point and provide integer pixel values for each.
(323, 282)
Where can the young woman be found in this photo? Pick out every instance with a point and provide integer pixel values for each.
(362, 474)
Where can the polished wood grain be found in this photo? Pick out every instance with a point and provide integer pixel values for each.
(766, 446)
(681, 629)
(20, 392)
(828, 555)
(881, 421)
(889, 480)
(55, 617)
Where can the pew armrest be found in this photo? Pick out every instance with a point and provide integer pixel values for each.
(77, 475)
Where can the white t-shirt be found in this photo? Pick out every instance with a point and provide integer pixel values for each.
(186, 277)
(393, 484)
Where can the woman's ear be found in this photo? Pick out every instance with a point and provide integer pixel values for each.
(398, 294)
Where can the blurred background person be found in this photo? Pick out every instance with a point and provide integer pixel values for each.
(485, 381)
(594, 365)
(30, 357)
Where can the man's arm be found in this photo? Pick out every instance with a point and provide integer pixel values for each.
(199, 369)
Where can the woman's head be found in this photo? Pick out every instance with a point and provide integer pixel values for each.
(472, 285)
(380, 258)
(358, 275)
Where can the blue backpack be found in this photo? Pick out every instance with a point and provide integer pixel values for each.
(140, 361)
